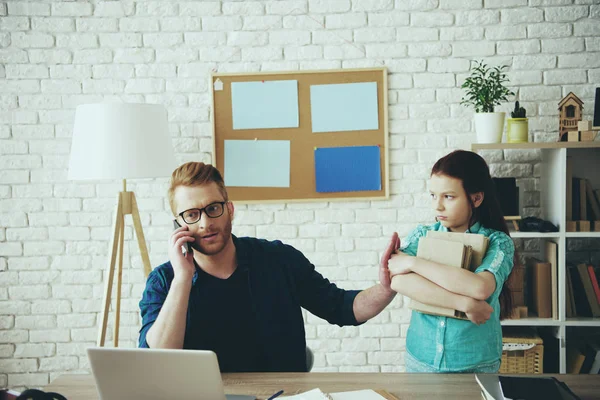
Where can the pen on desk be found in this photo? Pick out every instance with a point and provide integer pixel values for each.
(276, 395)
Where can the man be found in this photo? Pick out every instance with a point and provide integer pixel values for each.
(240, 297)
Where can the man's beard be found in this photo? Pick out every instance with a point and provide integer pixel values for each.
(217, 247)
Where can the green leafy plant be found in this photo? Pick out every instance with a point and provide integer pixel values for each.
(518, 112)
(486, 87)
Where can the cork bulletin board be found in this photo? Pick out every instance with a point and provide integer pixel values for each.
(303, 130)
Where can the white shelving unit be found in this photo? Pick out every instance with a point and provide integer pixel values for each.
(535, 235)
(585, 158)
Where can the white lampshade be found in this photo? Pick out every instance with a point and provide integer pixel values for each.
(120, 141)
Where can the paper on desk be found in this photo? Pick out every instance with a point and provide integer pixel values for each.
(314, 394)
(357, 395)
(317, 394)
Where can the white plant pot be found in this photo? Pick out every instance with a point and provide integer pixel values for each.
(489, 127)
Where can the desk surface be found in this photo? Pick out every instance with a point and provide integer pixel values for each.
(402, 385)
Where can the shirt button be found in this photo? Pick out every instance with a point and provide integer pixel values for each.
(440, 347)
(442, 324)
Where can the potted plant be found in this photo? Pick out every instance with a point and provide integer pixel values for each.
(517, 130)
(485, 90)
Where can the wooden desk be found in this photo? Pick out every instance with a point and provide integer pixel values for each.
(404, 386)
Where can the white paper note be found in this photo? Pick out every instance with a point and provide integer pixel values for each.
(257, 163)
(344, 107)
(264, 104)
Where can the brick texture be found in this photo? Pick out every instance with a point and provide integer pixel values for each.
(55, 55)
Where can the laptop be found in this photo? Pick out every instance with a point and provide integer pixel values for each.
(157, 374)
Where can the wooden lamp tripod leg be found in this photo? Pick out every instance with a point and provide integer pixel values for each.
(126, 204)
(119, 283)
(130, 207)
(110, 269)
(137, 224)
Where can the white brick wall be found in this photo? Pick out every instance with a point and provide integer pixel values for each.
(55, 55)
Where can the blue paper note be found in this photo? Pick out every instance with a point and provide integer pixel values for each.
(257, 163)
(262, 105)
(347, 169)
(344, 107)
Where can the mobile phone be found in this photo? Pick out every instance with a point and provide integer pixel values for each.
(187, 248)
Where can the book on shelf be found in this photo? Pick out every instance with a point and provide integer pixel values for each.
(446, 252)
(507, 193)
(594, 205)
(579, 200)
(589, 354)
(597, 196)
(516, 283)
(570, 309)
(582, 304)
(590, 295)
(595, 281)
(575, 359)
(583, 357)
(551, 249)
(317, 394)
(569, 190)
(582, 203)
(594, 346)
(576, 200)
(499, 387)
(582, 199)
(540, 281)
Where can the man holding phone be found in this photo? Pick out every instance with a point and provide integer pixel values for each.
(240, 297)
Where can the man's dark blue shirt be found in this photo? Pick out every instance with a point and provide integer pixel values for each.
(253, 320)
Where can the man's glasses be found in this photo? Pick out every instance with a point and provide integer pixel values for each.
(213, 210)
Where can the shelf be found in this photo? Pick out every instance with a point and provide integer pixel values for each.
(583, 321)
(534, 235)
(535, 145)
(552, 235)
(583, 234)
(531, 322)
(551, 170)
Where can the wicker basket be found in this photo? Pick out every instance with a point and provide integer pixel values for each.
(525, 353)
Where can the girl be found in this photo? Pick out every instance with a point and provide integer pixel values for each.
(464, 199)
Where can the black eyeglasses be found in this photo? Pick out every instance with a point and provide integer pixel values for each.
(213, 210)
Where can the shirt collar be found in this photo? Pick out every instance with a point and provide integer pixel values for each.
(241, 254)
(473, 229)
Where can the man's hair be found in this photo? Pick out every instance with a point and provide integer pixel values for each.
(195, 174)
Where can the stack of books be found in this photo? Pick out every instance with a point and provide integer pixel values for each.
(541, 277)
(458, 250)
(583, 203)
(584, 356)
(583, 291)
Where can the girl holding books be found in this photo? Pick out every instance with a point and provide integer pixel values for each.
(464, 200)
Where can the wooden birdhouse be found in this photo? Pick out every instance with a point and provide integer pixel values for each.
(570, 111)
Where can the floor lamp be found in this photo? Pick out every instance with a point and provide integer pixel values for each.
(120, 141)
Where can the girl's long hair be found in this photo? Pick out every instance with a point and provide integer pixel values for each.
(474, 174)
